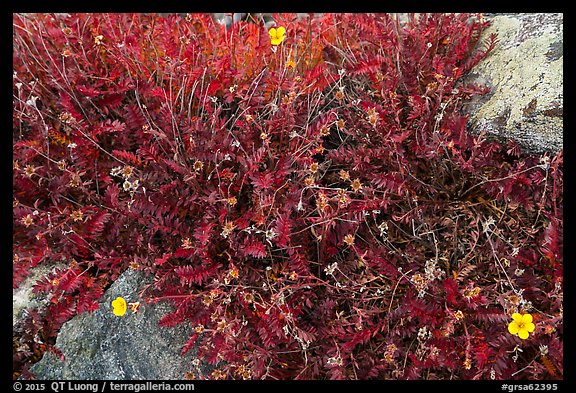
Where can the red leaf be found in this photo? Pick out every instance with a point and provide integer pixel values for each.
(162, 260)
(189, 344)
(256, 249)
(452, 292)
(283, 229)
(262, 181)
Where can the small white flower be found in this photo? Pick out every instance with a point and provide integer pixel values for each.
(270, 234)
(383, 227)
(487, 225)
(334, 361)
(423, 333)
(544, 162)
(330, 269)
(135, 184)
(32, 101)
(519, 272)
(126, 185)
(543, 350)
(72, 145)
(116, 171)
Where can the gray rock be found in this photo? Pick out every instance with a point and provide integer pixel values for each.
(525, 73)
(102, 346)
(23, 297)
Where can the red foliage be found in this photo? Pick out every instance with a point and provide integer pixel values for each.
(326, 218)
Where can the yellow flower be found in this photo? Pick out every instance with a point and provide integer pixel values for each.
(290, 64)
(277, 35)
(119, 306)
(521, 325)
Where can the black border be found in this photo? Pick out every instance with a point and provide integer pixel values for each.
(436, 6)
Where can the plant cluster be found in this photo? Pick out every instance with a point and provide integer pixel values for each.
(308, 199)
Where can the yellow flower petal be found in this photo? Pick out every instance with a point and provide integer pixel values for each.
(526, 318)
(529, 327)
(517, 317)
(119, 306)
(513, 328)
(277, 35)
(523, 334)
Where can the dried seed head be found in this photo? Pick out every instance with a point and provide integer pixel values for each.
(28, 220)
(65, 117)
(74, 180)
(29, 171)
(349, 239)
(198, 165)
(356, 185)
(309, 181)
(127, 171)
(186, 244)
(344, 175)
(77, 215)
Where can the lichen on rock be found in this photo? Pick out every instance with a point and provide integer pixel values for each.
(525, 73)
